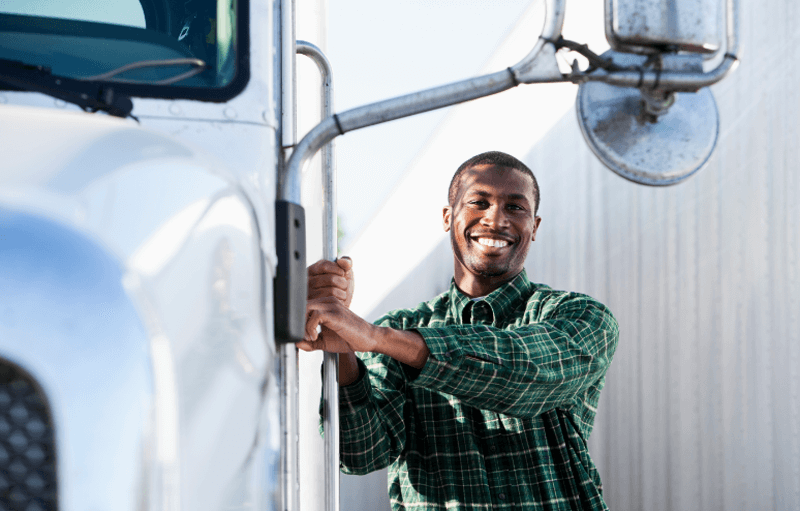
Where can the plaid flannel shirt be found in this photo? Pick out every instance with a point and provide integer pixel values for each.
(499, 416)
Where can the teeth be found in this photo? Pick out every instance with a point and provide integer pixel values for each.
(492, 243)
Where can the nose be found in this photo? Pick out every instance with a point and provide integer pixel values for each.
(495, 216)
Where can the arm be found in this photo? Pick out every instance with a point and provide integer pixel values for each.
(334, 279)
(524, 371)
(372, 417)
(371, 420)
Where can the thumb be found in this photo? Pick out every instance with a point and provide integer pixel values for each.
(345, 263)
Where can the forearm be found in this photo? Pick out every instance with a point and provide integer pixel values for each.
(405, 346)
(519, 373)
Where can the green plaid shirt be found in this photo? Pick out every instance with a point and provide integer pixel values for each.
(499, 416)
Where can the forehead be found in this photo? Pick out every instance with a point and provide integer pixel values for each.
(497, 181)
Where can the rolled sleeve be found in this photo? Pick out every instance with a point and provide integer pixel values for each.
(522, 371)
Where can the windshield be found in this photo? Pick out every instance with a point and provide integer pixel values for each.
(140, 45)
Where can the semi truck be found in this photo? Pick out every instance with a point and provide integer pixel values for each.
(153, 242)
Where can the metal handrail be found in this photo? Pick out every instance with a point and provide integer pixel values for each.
(530, 70)
(330, 363)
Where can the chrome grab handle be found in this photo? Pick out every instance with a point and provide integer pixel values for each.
(330, 384)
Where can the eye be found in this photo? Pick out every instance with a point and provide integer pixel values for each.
(479, 202)
(515, 207)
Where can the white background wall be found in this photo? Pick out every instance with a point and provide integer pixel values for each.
(701, 409)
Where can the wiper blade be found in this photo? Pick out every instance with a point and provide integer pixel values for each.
(89, 96)
(198, 67)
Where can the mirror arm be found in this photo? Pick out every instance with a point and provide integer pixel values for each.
(672, 80)
(538, 66)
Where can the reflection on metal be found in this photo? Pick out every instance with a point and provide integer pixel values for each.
(675, 80)
(644, 26)
(652, 137)
(667, 130)
(288, 77)
(289, 387)
(288, 370)
(330, 385)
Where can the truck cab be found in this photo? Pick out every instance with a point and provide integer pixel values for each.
(140, 143)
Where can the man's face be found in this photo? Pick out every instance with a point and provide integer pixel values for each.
(492, 222)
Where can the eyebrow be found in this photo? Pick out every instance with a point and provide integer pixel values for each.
(511, 196)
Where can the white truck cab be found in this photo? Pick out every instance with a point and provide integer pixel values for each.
(137, 251)
(152, 242)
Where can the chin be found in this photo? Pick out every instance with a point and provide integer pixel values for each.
(490, 271)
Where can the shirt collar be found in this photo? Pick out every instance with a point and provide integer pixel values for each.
(503, 301)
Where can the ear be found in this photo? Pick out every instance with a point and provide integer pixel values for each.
(447, 216)
(536, 221)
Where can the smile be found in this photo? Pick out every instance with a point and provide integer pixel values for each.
(492, 242)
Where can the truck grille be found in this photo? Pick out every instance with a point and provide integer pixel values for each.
(27, 454)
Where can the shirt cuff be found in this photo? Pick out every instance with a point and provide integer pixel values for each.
(356, 395)
(444, 359)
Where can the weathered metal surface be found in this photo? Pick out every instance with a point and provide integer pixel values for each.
(645, 148)
(644, 25)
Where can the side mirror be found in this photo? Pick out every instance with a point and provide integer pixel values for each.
(659, 131)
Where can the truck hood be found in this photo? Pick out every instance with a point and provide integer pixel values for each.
(106, 177)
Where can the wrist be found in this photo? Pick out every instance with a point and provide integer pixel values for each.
(348, 369)
(406, 346)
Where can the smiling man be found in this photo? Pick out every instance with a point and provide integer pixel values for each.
(485, 396)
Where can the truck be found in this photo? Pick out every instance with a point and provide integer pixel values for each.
(153, 245)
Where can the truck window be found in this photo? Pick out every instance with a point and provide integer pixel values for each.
(147, 48)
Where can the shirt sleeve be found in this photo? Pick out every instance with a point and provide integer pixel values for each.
(526, 370)
(371, 426)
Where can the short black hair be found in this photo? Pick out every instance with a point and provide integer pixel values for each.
(498, 159)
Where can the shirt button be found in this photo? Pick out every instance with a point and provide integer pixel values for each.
(502, 496)
(493, 448)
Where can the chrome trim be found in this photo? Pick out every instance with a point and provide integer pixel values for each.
(330, 363)
(530, 70)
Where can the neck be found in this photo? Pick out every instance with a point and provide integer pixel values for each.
(478, 285)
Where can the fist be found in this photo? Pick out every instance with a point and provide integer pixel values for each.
(332, 279)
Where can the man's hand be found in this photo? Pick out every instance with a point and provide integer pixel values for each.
(342, 330)
(328, 278)
(349, 333)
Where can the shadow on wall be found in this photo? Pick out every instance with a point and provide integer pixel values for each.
(367, 492)
(430, 278)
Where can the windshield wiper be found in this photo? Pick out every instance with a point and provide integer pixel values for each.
(197, 64)
(89, 96)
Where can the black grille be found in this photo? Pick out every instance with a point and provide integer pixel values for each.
(27, 456)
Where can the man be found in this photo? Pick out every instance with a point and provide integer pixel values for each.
(485, 396)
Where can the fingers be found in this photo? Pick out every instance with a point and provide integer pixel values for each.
(326, 280)
(329, 279)
(312, 322)
(326, 292)
(305, 346)
(323, 266)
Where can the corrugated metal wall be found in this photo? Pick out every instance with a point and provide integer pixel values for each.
(701, 409)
